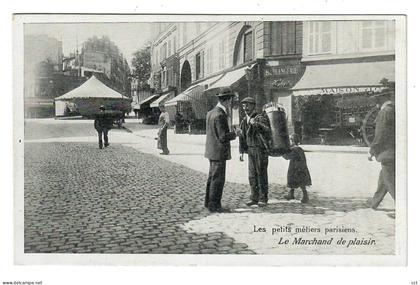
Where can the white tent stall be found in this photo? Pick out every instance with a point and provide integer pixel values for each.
(87, 98)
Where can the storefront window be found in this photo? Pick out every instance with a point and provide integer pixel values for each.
(320, 37)
(373, 35)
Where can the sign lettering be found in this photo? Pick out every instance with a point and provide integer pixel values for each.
(343, 90)
(282, 70)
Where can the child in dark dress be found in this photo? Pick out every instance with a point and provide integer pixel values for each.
(298, 173)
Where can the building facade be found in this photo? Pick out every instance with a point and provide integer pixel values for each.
(42, 64)
(194, 59)
(346, 64)
(42, 54)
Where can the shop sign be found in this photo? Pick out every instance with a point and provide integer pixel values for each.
(282, 83)
(344, 90)
(282, 70)
(337, 90)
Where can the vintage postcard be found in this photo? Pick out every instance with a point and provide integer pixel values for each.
(210, 139)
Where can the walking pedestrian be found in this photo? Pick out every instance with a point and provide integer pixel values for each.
(383, 149)
(103, 123)
(217, 151)
(254, 134)
(298, 175)
(163, 123)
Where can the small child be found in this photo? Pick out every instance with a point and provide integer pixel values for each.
(298, 173)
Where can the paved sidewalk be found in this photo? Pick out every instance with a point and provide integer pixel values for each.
(201, 139)
(340, 171)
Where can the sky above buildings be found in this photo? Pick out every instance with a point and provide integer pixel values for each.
(129, 37)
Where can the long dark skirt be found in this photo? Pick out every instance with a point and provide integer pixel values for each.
(298, 173)
(162, 142)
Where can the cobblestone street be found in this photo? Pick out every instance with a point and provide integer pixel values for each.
(128, 199)
(82, 199)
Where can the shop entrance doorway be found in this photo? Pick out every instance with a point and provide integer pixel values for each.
(185, 76)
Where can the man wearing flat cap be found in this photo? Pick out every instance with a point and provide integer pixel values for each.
(254, 136)
(218, 137)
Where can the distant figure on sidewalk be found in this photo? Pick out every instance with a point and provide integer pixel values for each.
(218, 137)
(298, 173)
(254, 134)
(383, 149)
(103, 124)
(163, 123)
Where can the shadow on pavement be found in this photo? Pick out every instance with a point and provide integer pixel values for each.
(318, 205)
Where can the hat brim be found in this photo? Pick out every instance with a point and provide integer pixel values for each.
(225, 95)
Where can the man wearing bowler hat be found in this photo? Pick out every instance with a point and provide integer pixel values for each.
(218, 137)
(254, 136)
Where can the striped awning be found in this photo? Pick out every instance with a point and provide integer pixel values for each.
(149, 99)
(196, 96)
(160, 100)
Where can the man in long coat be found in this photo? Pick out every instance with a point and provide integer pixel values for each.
(383, 149)
(218, 137)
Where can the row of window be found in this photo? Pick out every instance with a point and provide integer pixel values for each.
(206, 63)
(368, 36)
(184, 33)
(322, 38)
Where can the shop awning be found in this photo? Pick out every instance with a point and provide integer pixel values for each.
(196, 96)
(194, 92)
(230, 78)
(344, 78)
(186, 95)
(160, 100)
(149, 99)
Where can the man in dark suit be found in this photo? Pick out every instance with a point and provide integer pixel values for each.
(103, 123)
(254, 135)
(383, 149)
(218, 137)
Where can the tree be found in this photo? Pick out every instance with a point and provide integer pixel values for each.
(141, 66)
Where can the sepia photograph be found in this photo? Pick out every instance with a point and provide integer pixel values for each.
(210, 140)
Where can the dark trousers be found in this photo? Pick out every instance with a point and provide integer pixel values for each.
(257, 174)
(215, 184)
(103, 132)
(386, 184)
